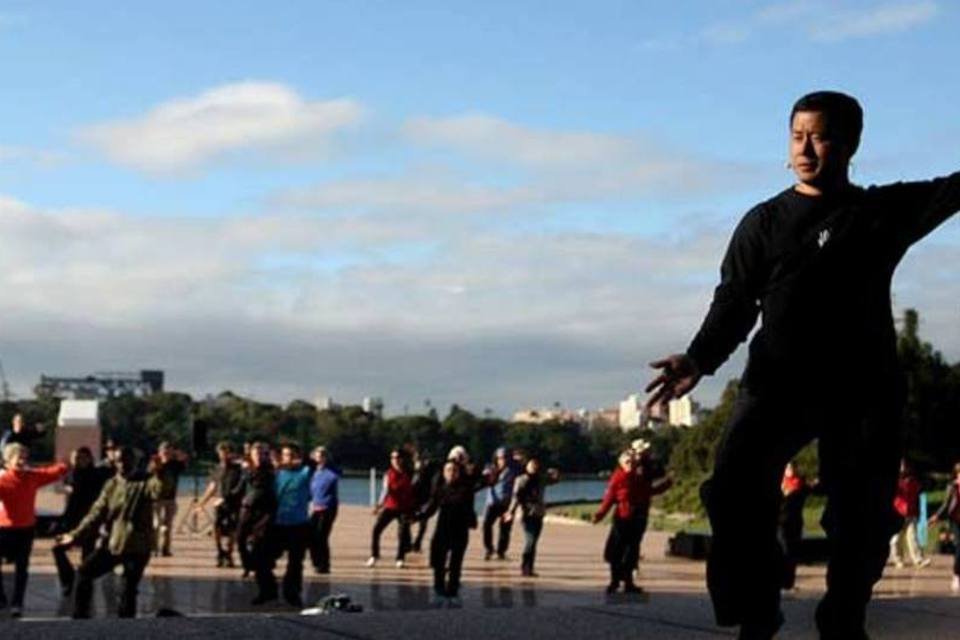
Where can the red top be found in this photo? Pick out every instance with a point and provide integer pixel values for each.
(791, 484)
(628, 490)
(399, 491)
(18, 493)
(907, 500)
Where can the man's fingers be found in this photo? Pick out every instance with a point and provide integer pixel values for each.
(662, 364)
(662, 395)
(659, 380)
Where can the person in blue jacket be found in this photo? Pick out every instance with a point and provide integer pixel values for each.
(501, 478)
(291, 530)
(324, 501)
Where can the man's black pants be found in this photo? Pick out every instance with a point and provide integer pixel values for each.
(492, 515)
(859, 439)
(101, 562)
(65, 571)
(292, 540)
(448, 542)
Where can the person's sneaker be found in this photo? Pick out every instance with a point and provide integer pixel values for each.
(401, 564)
(16, 612)
(487, 556)
(263, 598)
(924, 562)
(955, 584)
(454, 602)
(501, 556)
(612, 588)
(166, 553)
(371, 563)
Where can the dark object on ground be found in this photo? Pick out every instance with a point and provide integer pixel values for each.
(696, 546)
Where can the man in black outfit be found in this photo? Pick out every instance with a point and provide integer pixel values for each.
(817, 262)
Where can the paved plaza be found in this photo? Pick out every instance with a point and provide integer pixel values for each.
(566, 600)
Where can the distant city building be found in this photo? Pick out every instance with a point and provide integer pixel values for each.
(683, 412)
(676, 413)
(631, 413)
(326, 403)
(101, 386)
(540, 416)
(373, 406)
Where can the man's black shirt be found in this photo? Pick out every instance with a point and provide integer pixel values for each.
(818, 270)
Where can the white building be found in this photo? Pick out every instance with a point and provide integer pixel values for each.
(631, 412)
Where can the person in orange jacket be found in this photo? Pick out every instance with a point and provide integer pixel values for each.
(18, 497)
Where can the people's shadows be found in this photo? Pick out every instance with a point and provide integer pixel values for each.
(496, 597)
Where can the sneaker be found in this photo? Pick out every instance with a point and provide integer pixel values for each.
(487, 556)
(371, 563)
(501, 556)
(612, 588)
(401, 564)
(454, 602)
(955, 585)
(924, 562)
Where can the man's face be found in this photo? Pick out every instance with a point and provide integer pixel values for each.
(165, 454)
(17, 424)
(396, 461)
(451, 471)
(259, 455)
(224, 455)
(125, 463)
(817, 156)
(501, 461)
(288, 457)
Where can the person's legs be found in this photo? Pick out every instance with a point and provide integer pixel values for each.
(859, 466)
(421, 532)
(742, 499)
(458, 547)
(264, 553)
(613, 551)
(244, 546)
(632, 558)
(532, 527)
(95, 565)
(438, 560)
(503, 541)
(3, 556)
(133, 567)
(326, 528)
(298, 536)
(403, 536)
(23, 545)
(790, 537)
(169, 514)
(895, 557)
(955, 527)
(490, 515)
(913, 548)
(384, 518)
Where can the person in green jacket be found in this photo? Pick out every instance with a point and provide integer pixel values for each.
(125, 508)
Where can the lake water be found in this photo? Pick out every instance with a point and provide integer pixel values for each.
(356, 491)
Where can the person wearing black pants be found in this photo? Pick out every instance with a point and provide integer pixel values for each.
(258, 507)
(452, 501)
(501, 476)
(125, 508)
(324, 504)
(817, 262)
(622, 549)
(396, 503)
(528, 495)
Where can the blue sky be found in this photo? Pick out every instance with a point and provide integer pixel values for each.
(500, 204)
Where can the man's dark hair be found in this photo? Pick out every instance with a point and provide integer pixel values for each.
(844, 114)
(295, 448)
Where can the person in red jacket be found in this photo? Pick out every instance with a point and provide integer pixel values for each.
(907, 503)
(396, 503)
(18, 497)
(628, 494)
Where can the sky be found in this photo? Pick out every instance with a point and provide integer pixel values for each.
(497, 204)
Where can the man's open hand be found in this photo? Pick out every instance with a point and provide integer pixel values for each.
(679, 374)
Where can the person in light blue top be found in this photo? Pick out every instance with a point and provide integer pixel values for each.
(291, 530)
(324, 504)
(501, 477)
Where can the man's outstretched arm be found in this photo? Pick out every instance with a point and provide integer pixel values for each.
(732, 314)
(920, 207)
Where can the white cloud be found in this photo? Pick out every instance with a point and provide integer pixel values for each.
(185, 133)
(816, 20)
(30, 155)
(883, 19)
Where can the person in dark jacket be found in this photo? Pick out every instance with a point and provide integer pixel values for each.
(258, 508)
(125, 509)
(528, 495)
(225, 480)
(291, 525)
(324, 504)
(425, 473)
(816, 261)
(950, 511)
(501, 477)
(396, 503)
(795, 490)
(452, 501)
(83, 483)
